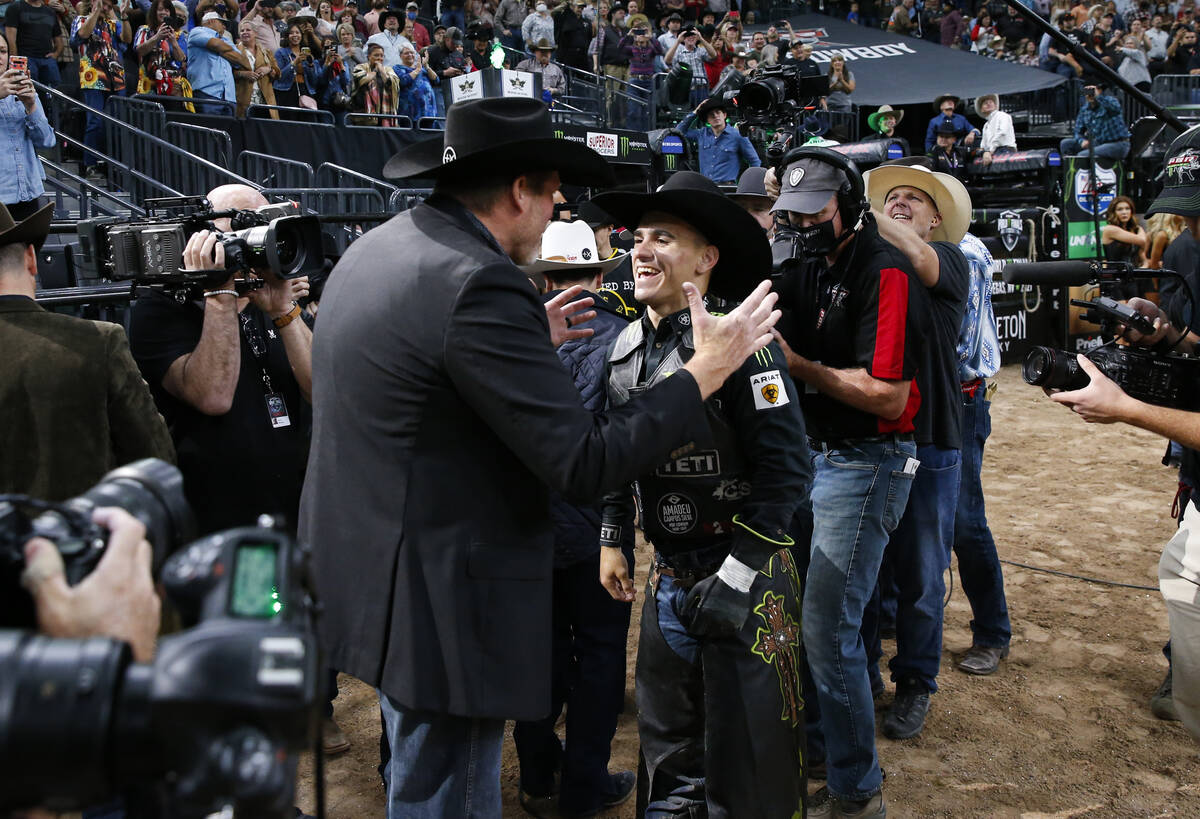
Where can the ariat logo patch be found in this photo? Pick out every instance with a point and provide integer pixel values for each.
(769, 390)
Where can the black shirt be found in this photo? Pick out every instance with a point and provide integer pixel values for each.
(1182, 256)
(235, 466)
(939, 420)
(868, 311)
(36, 28)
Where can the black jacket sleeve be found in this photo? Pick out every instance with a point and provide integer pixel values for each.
(762, 404)
(523, 392)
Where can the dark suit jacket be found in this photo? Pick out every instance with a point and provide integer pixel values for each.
(73, 402)
(441, 416)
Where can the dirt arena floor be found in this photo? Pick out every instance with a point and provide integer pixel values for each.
(1063, 729)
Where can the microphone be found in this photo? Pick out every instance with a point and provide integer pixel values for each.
(1056, 274)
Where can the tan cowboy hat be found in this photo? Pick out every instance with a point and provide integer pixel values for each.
(993, 97)
(874, 119)
(949, 196)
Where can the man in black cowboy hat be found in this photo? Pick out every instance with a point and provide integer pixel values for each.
(947, 107)
(91, 411)
(720, 713)
(946, 155)
(437, 434)
(722, 149)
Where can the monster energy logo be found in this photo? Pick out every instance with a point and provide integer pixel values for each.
(624, 146)
(559, 134)
(764, 357)
(670, 162)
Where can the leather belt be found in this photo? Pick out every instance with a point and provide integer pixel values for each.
(847, 443)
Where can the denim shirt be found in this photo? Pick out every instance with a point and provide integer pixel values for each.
(720, 155)
(21, 172)
(978, 341)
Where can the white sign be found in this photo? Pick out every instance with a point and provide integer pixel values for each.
(516, 83)
(603, 144)
(466, 87)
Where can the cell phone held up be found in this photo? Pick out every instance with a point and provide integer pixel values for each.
(17, 63)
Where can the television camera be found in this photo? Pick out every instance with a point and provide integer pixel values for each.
(148, 251)
(772, 104)
(215, 721)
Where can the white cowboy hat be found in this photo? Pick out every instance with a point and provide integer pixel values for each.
(949, 196)
(570, 246)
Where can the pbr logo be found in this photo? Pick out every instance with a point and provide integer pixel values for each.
(1009, 226)
(516, 83)
(603, 144)
(1083, 188)
(1181, 168)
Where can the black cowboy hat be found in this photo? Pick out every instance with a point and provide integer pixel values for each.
(496, 134)
(937, 103)
(745, 258)
(32, 230)
(714, 103)
(381, 21)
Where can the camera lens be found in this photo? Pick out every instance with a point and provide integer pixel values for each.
(152, 491)
(1055, 369)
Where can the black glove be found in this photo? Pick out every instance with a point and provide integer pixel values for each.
(713, 608)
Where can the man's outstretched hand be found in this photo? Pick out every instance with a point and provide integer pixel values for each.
(565, 318)
(723, 343)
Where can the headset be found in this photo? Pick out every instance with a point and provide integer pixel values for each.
(852, 196)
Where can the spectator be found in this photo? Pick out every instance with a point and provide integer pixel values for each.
(416, 98)
(161, 61)
(254, 84)
(1134, 68)
(572, 35)
(1100, 123)
(334, 85)
(210, 70)
(263, 19)
(480, 52)
(510, 14)
(952, 25)
(903, 20)
(371, 18)
(1159, 40)
(671, 33)
(357, 26)
(946, 155)
(1182, 52)
(450, 61)
(24, 121)
(1058, 59)
(325, 25)
(841, 84)
(693, 51)
(538, 26)
(883, 122)
(309, 38)
(299, 74)
(1123, 238)
(641, 49)
(420, 34)
(376, 87)
(610, 59)
(853, 15)
(73, 402)
(553, 79)
(947, 105)
(452, 14)
(95, 33)
(349, 50)
(982, 31)
(999, 136)
(1027, 55)
(1097, 46)
(1161, 230)
(480, 12)
(33, 31)
(390, 39)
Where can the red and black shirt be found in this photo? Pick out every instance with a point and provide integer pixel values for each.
(868, 311)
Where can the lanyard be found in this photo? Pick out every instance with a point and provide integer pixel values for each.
(258, 347)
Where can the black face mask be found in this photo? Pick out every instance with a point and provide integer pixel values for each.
(817, 240)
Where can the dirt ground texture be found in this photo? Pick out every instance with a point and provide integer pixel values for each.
(1063, 728)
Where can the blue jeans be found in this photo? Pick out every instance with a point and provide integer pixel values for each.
(978, 564)
(455, 17)
(919, 552)
(211, 110)
(858, 496)
(44, 70)
(1108, 150)
(441, 765)
(637, 115)
(93, 134)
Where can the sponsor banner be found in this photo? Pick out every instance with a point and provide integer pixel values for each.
(466, 87)
(1078, 206)
(516, 83)
(625, 147)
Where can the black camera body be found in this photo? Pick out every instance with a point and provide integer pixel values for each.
(149, 251)
(1165, 380)
(772, 104)
(215, 720)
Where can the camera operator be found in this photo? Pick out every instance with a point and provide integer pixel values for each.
(73, 402)
(1102, 401)
(233, 374)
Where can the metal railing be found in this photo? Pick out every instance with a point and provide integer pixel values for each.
(179, 104)
(68, 189)
(287, 112)
(431, 124)
(1044, 105)
(1176, 89)
(210, 143)
(145, 115)
(372, 121)
(136, 159)
(273, 171)
(406, 198)
(335, 177)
